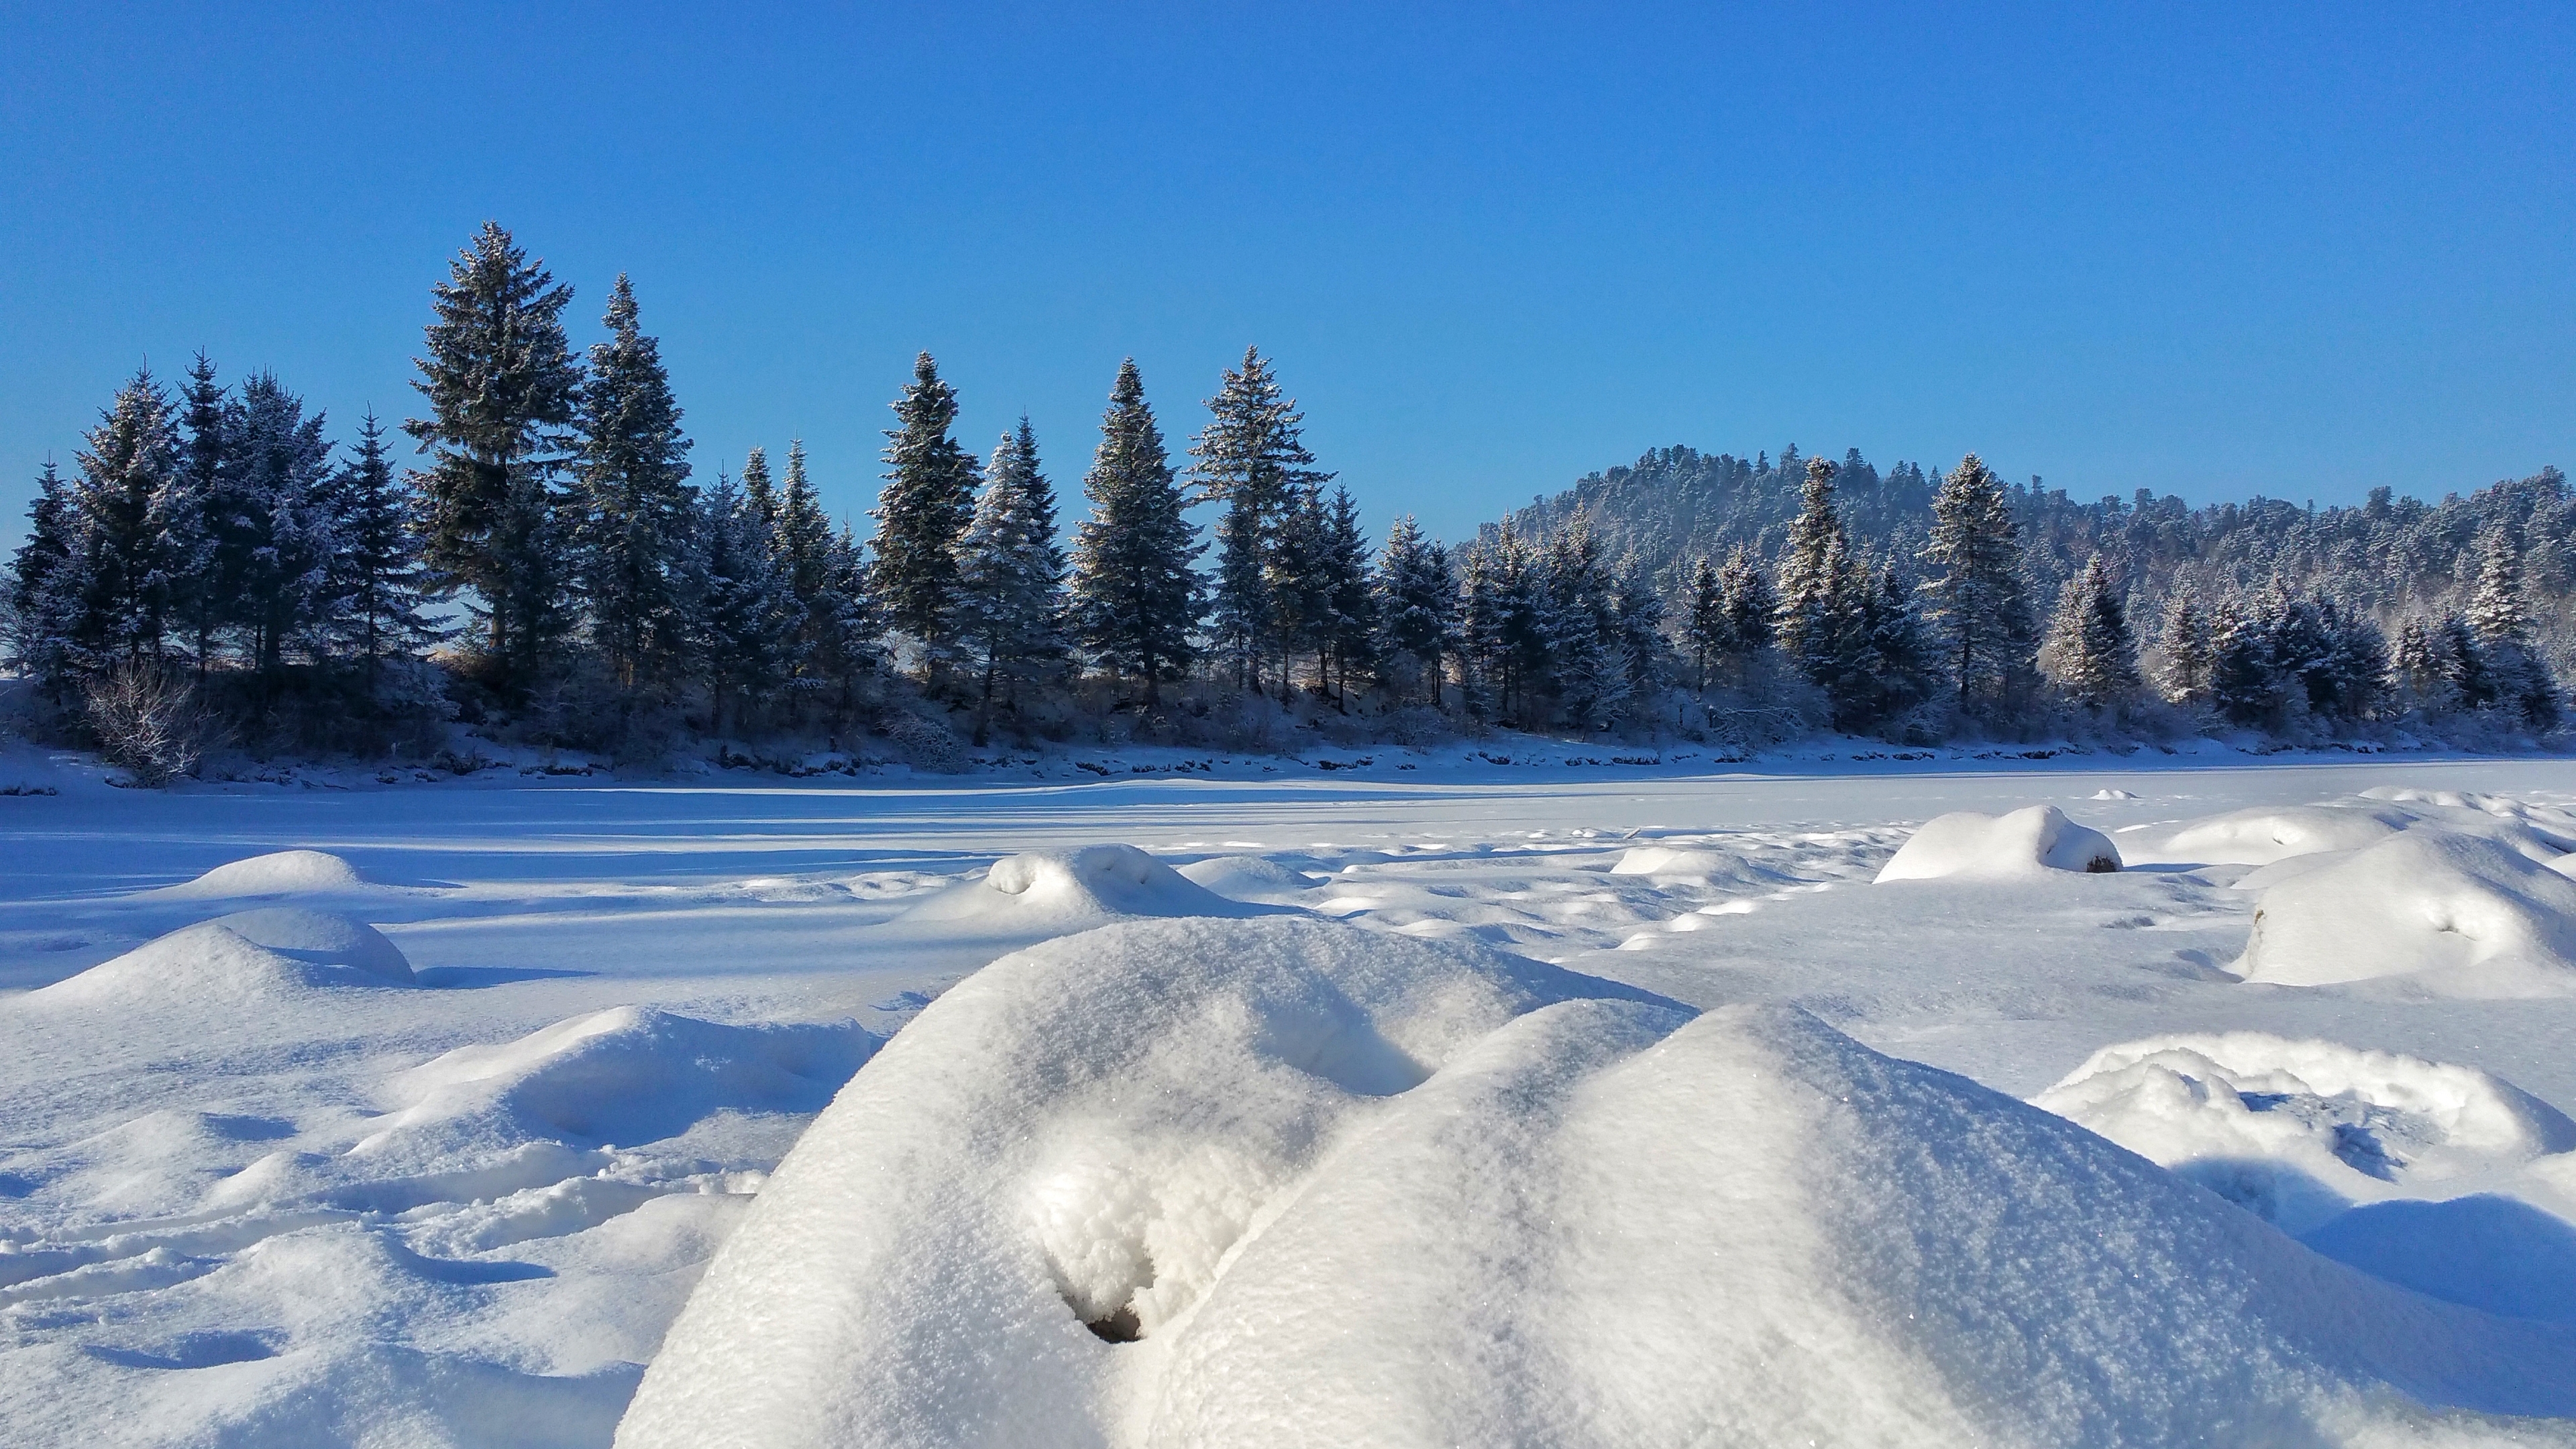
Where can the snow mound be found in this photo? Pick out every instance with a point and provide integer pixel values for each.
(1281, 1183)
(2028, 842)
(626, 1075)
(1097, 883)
(1697, 867)
(261, 955)
(2461, 915)
(2262, 836)
(281, 873)
(1249, 878)
(2111, 793)
(2299, 1130)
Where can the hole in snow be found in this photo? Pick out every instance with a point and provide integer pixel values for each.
(1119, 1327)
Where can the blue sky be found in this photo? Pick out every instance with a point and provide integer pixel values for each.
(2296, 250)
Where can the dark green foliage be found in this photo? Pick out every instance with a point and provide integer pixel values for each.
(928, 499)
(1136, 597)
(632, 529)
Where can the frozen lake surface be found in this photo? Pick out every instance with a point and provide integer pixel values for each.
(451, 1179)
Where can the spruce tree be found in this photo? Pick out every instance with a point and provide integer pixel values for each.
(1641, 628)
(1813, 591)
(1349, 596)
(805, 561)
(198, 516)
(742, 607)
(1135, 593)
(1976, 592)
(1586, 655)
(1750, 608)
(635, 519)
(125, 472)
(1010, 574)
(502, 384)
(2089, 648)
(384, 604)
(2520, 679)
(1417, 604)
(928, 499)
(1252, 458)
(759, 493)
(284, 535)
(1704, 623)
(1901, 658)
(2186, 645)
(2415, 667)
(43, 587)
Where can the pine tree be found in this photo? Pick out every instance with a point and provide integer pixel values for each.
(43, 588)
(502, 384)
(1977, 594)
(1811, 587)
(1704, 622)
(636, 503)
(1901, 658)
(1010, 574)
(1349, 596)
(926, 504)
(1252, 458)
(2090, 650)
(2520, 679)
(2187, 646)
(384, 609)
(1747, 602)
(2416, 669)
(759, 494)
(1585, 654)
(2243, 682)
(1641, 628)
(805, 560)
(125, 471)
(1135, 594)
(283, 534)
(1417, 604)
(742, 606)
(196, 516)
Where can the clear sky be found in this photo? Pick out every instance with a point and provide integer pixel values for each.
(2293, 249)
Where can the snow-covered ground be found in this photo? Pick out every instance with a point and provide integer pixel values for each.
(1468, 1102)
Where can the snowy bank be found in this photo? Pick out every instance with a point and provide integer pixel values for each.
(1283, 1182)
(2453, 914)
(2026, 843)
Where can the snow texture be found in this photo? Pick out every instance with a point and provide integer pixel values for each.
(249, 956)
(2461, 915)
(2028, 842)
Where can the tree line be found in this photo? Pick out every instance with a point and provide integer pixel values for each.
(549, 564)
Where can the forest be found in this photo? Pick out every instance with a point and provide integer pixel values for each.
(543, 564)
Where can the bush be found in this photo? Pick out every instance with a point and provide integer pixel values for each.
(149, 722)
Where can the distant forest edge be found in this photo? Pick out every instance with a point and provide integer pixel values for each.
(216, 575)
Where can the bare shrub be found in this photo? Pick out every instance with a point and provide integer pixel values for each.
(149, 722)
(926, 743)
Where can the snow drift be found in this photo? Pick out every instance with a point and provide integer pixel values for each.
(247, 956)
(1250, 878)
(2458, 915)
(1070, 889)
(2299, 1130)
(2025, 843)
(2270, 835)
(280, 873)
(1286, 1182)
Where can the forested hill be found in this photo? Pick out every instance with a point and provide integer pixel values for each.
(2393, 557)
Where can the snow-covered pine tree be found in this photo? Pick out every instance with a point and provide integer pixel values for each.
(1350, 596)
(759, 493)
(2520, 679)
(1135, 591)
(1750, 608)
(2416, 672)
(1901, 658)
(1300, 589)
(43, 589)
(1480, 632)
(633, 526)
(1804, 623)
(742, 612)
(383, 603)
(502, 384)
(1252, 458)
(928, 499)
(196, 516)
(2185, 647)
(2463, 663)
(1976, 590)
(2243, 682)
(125, 470)
(1704, 622)
(1010, 575)
(284, 536)
(2090, 653)
(845, 652)
(1585, 657)
(1641, 628)
(1417, 606)
(805, 559)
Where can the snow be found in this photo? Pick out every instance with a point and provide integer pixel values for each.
(2001, 847)
(2461, 915)
(279, 873)
(1447, 1099)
